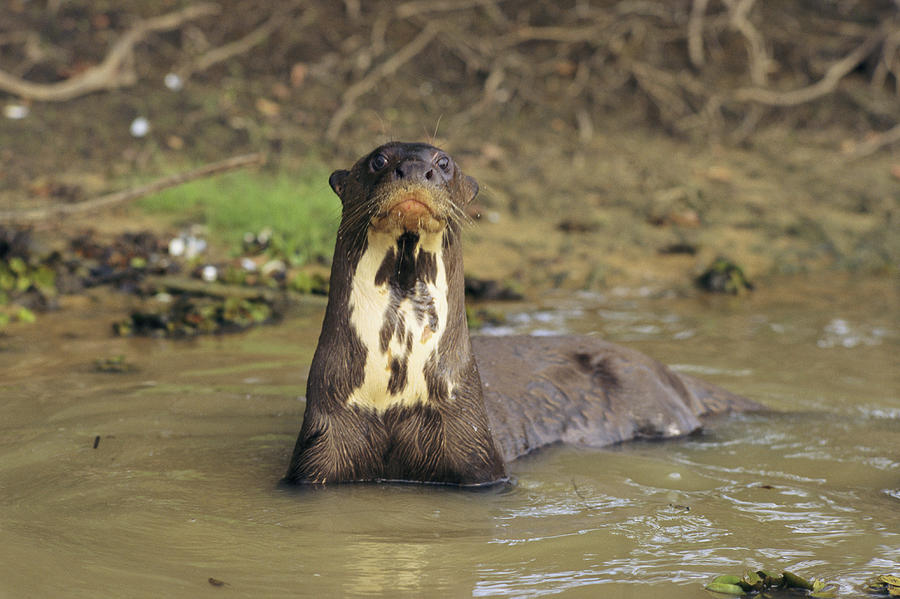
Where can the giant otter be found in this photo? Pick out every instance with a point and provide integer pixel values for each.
(397, 391)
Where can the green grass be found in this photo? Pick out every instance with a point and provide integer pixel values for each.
(299, 208)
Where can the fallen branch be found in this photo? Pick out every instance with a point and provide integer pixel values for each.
(128, 195)
(115, 70)
(569, 35)
(184, 285)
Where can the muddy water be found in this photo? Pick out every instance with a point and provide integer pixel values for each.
(181, 486)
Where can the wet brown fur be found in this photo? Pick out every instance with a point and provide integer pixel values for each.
(447, 439)
(536, 391)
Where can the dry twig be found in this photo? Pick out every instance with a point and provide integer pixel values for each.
(878, 141)
(417, 7)
(756, 46)
(695, 33)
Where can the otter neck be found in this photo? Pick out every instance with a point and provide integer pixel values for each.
(399, 306)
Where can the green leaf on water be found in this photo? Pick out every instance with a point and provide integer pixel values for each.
(724, 587)
(114, 364)
(753, 580)
(884, 584)
(770, 579)
(792, 581)
(763, 581)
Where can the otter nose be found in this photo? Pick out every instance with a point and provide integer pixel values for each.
(414, 171)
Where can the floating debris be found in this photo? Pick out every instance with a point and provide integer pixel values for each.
(115, 364)
(764, 581)
(124, 262)
(190, 316)
(222, 297)
(885, 584)
(28, 282)
(724, 276)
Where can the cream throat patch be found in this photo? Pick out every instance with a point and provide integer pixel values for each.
(398, 306)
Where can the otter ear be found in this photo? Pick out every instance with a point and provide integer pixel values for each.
(471, 187)
(338, 181)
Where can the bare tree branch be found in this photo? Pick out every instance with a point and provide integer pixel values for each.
(822, 87)
(878, 141)
(229, 50)
(385, 69)
(116, 69)
(695, 33)
(756, 46)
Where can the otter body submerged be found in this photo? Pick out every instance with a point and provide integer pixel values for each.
(395, 388)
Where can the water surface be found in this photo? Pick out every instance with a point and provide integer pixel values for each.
(182, 487)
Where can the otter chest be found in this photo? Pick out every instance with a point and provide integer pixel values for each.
(398, 307)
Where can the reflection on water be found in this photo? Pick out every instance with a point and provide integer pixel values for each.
(182, 485)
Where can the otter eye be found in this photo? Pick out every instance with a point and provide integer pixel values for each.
(443, 162)
(379, 162)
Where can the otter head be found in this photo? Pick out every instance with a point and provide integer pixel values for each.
(398, 188)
